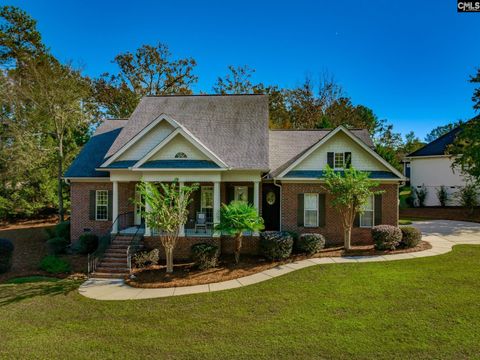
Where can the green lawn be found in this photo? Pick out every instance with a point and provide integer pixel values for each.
(423, 308)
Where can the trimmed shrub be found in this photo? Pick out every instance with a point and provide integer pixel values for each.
(146, 258)
(6, 252)
(54, 265)
(386, 237)
(63, 230)
(276, 245)
(57, 245)
(310, 243)
(88, 243)
(205, 255)
(411, 236)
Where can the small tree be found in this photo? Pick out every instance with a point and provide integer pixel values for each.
(442, 195)
(350, 190)
(235, 219)
(468, 197)
(421, 195)
(166, 212)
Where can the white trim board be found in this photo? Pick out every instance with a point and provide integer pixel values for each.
(355, 139)
(139, 135)
(180, 131)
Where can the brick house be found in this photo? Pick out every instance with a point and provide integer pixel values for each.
(224, 144)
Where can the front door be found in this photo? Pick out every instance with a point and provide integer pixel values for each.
(271, 206)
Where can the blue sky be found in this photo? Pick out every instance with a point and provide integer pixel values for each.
(407, 60)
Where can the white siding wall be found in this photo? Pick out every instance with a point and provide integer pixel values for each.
(361, 159)
(179, 144)
(148, 142)
(433, 173)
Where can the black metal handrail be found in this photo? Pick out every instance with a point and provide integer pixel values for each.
(133, 248)
(121, 222)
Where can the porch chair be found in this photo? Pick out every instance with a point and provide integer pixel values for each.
(201, 222)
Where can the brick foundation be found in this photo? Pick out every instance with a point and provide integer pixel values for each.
(182, 249)
(333, 230)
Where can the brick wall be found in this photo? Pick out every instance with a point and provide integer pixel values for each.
(250, 245)
(333, 230)
(80, 205)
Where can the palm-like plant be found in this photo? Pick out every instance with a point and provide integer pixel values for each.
(235, 219)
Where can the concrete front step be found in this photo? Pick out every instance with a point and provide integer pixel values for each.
(116, 270)
(107, 275)
(116, 264)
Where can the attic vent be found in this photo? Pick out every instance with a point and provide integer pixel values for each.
(180, 155)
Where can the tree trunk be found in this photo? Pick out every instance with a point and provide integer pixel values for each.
(347, 238)
(60, 181)
(169, 258)
(238, 247)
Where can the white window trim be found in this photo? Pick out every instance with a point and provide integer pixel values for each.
(373, 215)
(235, 192)
(305, 210)
(204, 189)
(96, 205)
(343, 161)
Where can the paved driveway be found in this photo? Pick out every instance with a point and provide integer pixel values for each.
(459, 232)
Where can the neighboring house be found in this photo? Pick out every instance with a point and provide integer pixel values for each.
(431, 167)
(224, 144)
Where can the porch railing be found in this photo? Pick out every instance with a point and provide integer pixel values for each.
(134, 247)
(122, 222)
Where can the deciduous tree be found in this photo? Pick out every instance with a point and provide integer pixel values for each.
(350, 191)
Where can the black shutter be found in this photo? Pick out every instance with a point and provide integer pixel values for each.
(230, 193)
(92, 205)
(348, 159)
(250, 195)
(300, 204)
(197, 201)
(378, 209)
(356, 221)
(321, 210)
(110, 204)
(330, 159)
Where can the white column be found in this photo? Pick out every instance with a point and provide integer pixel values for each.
(256, 200)
(181, 231)
(148, 231)
(115, 207)
(216, 206)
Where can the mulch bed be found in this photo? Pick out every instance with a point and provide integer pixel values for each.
(185, 274)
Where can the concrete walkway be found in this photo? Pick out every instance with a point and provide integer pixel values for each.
(441, 234)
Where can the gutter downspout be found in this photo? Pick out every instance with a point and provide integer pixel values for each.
(281, 200)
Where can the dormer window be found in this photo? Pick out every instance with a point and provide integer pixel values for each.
(180, 155)
(339, 160)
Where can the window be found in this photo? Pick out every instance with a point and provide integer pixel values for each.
(241, 193)
(206, 200)
(367, 217)
(339, 161)
(310, 210)
(101, 205)
(180, 155)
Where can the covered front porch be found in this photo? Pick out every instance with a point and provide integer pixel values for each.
(204, 209)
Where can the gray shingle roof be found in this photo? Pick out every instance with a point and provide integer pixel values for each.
(93, 152)
(286, 146)
(234, 127)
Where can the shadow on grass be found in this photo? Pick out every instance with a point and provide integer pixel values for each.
(13, 293)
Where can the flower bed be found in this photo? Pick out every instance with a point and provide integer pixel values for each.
(185, 274)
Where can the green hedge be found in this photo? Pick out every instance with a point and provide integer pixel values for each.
(276, 245)
(6, 254)
(205, 255)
